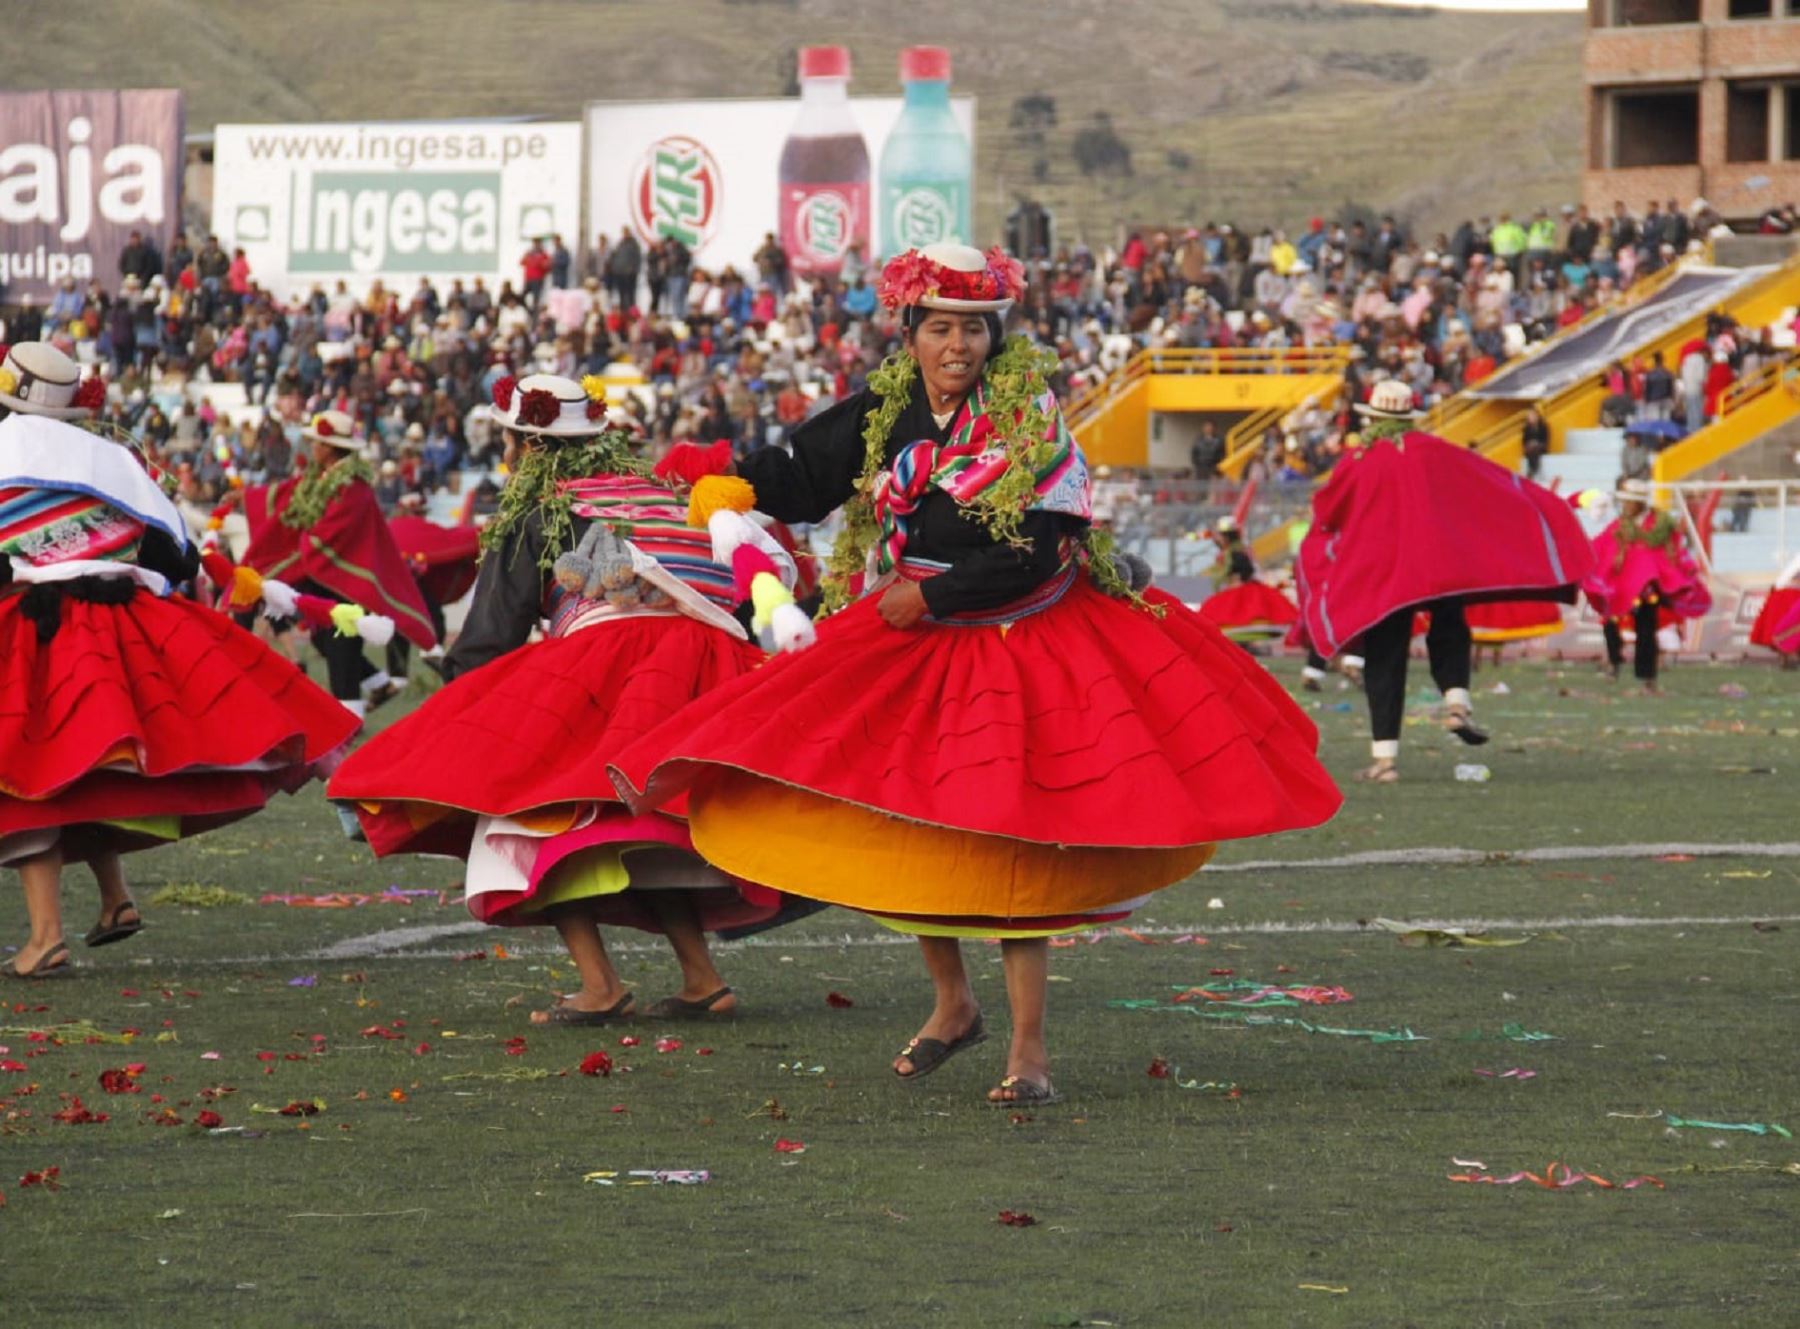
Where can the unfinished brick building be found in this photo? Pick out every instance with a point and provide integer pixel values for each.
(1693, 98)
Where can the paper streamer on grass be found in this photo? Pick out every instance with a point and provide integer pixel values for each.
(649, 1177)
(347, 899)
(1244, 992)
(1752, 1127)
(1409, 935)
(1557, 1176)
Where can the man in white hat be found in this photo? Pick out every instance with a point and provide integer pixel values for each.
(322, 529)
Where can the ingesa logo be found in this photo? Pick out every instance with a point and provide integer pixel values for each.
(675, 192)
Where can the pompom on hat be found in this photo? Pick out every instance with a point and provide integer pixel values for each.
(956, 277)
(1390, 400)
(38, 379)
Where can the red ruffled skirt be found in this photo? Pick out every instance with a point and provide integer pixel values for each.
(144, 721)
(1778, 624)
(1016, 778)
(1492, 622)
(507, 767)
(1250, 609)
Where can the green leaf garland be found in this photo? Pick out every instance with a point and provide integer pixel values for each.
(538, 486)
(318, 485)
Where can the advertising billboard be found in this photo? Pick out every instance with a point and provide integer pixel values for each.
(711, 174)
(80, 171)
(353, 202)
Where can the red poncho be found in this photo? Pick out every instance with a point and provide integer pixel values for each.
(443, 558)
(1403, 522)
(349, 551)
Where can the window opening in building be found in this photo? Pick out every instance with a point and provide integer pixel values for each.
(1659, 128)
(1746, 123)
(1751, 9)
(1644, 13)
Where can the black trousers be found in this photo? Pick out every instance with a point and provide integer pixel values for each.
(345, 664)
(1384, 660)
(1644, 652)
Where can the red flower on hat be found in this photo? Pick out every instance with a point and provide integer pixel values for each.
(503, 392)
(322, 427)
(1007, 272)
(91, 395)
(907, 279)
(596, 410)
(539, 408)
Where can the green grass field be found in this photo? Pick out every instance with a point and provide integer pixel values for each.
(443, 1181)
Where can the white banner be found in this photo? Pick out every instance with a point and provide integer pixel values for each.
(401, 200)
(709, 172)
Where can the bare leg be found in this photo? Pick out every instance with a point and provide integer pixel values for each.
(700, 978)
(115, 895)
(600, 986)
(41, 876)
(1027, 963)
(955, 1009)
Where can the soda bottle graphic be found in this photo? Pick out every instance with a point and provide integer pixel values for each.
(926, 164)
(824, 170)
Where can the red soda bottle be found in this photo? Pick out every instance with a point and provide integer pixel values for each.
(824, 170)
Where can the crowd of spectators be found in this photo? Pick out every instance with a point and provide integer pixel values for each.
(745, 356)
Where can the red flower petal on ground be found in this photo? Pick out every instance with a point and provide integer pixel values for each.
(79, 1114)
(668, 1045)
(786, 1146)
(838, 1001)
(503, 391)
(10, 1065)
(209, 1120)
(47, 1179)
(117, 1081)
(1159, 1069)
(300, 1109)
(1017, 1218)
(422, 1049)
(596, 1063)
(1222, 973)
(373, 1031)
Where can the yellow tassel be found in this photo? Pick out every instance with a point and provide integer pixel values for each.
(718, 493)
(345, 617)
(767, 594)
(246, 587)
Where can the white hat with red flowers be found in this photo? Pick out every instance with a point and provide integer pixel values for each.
(1390, 399)
(38, 379)
(551, 405)
(335, 428)
(955, 277)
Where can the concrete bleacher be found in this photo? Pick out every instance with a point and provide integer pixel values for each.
(1589, 460)
(1755, 551)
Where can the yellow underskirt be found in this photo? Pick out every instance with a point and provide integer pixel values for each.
(826, 849)
(162, 828)
(587, 875)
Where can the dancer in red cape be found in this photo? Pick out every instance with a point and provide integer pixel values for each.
(1778, 625)
(322, 531)
(986, 742)
(129, 716)
(1408, 522)
(1643, 575)
(1243, 608)
(506, 766)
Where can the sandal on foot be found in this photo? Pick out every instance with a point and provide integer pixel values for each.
(54, 963)
(680, 1008)
(1382, 772)
(562, 1013)
(927, 1054)
(112, 928)
(1025, 1093)
(1461, 723)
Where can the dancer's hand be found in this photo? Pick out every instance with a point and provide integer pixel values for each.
(902, 604)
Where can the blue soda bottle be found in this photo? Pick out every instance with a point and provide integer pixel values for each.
(926, 163)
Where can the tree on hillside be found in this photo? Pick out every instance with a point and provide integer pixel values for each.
(1099, 150)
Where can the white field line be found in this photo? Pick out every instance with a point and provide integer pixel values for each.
(1428, 857)
(384, 944)
(391, 942)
